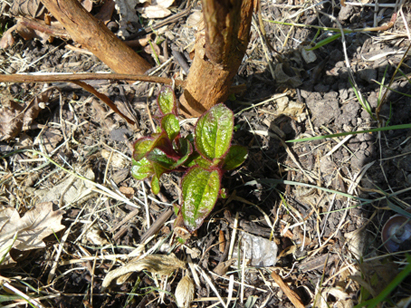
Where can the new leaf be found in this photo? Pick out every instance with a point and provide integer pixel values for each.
(200, 189)
(214, 131)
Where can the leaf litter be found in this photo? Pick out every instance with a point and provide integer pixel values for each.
(27, 232)
(309, 236)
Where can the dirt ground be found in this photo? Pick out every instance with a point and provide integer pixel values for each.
(323, 202)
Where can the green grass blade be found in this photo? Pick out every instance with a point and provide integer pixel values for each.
(391, 89)
(326, 41)
(373, 130)
(388, 289)
(363, 102)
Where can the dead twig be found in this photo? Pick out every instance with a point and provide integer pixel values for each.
(292, 296)
(20, 78)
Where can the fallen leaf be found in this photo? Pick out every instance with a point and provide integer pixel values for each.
(50, 139)
(27, 232)
(156, 264)
(128, 16)
(194, 20)
(117, 160)
(7, 39)
(185, 292)
(87, 4)
(11, 120)
(157, 9)
(222, 268)
(127, 191)
(106, 11)
(15, 117)
(72, 188)
(30, 8)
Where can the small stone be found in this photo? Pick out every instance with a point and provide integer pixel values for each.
(323, 111)
(343, 94)
(346, 12)
(282, 103)
(331, 95)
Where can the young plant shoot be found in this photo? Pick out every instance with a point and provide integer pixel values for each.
(203, 157)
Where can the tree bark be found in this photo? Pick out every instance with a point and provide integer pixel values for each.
(93, 35)
(218, 54)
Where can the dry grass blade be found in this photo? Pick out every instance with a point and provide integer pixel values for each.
(212, 286)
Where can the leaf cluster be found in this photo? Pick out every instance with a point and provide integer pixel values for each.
(204, 156)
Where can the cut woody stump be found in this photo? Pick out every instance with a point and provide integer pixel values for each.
(97, 38)
(218, 54)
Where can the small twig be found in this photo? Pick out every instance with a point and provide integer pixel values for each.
(178, 56)
(19, 78)
(232, 243)
(105, 99)
(210, 283)
(292, 296)
(42, 27)
(146, 205)
(171, 19)
(157, 225)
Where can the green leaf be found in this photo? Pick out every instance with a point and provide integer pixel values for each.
(200, 189)
(185, 149)
(235, 157)
(155, 185)
(162, 142)
(158, 156)
(142, 146)
(141, 169)
(204, 163)
(167, 101)
(214, 131)
(171, 125)
(191, 161)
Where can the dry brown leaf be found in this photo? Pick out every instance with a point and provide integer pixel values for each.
(106, 11)
(185, 292)
(87, 4)
(11, 120)
(50, 139)
(7, 39)
(117, 160)
(157, 9)
(70, 190)
(30, 8)
(341, 297)
(194, 20)
(14, 117)
(27, 232)
(156, 264)
(222, 268)
(28, 33)
(128, 16)
(127, 191)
